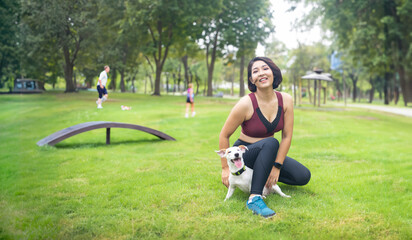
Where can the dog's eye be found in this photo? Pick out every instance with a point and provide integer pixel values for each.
(229, 152)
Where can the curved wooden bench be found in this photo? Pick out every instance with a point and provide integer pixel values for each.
(88, 126)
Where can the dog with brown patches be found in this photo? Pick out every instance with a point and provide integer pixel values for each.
(241, 175)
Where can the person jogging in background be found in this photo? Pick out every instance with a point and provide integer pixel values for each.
(101, 86)
(190, 100)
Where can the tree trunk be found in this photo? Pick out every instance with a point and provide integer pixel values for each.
(113, 82)
(241, 79)
(211, 66)
(184, 61)
(74, 80)
(324, 94)
(145, 83)
(197, 84)
(157, 79)
(396, 91)
(386, 88)
(179, 78)
(408, 91)
(354, 83)
(160, 59)
(372, 90)
(167, 83)
(339, 93)
(122, 85)
(133, 89)
(406, 88)
(68, 71)
(174, 83)
(151, 82)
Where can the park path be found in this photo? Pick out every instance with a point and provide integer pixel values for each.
(389, 109)
(404, 111)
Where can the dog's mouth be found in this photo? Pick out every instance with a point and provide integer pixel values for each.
(238, 162)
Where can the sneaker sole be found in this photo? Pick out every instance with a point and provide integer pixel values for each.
(269, 216)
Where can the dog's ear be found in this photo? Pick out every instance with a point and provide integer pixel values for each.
(221, 152)
(243, 148)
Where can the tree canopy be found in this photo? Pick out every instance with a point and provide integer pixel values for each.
(72, 40)
(377, 34)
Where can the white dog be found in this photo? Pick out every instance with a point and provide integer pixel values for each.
(241, 175)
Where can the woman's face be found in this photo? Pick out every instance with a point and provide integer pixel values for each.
(262, 75)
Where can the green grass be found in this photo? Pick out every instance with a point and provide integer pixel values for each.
(142, 188)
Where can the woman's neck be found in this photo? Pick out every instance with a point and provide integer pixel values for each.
(266, 94)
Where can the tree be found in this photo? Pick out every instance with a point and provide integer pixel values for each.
(166, 22)
(306, 58)
(249, 23)
(214, 22)
(64, 25)
(121, 40)
(377, 30)
(9, 41)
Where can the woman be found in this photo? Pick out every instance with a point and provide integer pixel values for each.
(262, 113)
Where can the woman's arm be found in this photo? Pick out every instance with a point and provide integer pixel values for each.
(286, 138)
(235, 118)
(287, 131)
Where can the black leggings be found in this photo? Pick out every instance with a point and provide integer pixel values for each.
(262, 155)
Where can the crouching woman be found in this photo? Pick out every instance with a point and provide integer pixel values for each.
(261, 114)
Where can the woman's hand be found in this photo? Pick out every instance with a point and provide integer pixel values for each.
(225, 176)
(273, 177)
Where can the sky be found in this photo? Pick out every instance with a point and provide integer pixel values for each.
(284, 30)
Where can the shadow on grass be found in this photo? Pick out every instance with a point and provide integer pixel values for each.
(101, 144)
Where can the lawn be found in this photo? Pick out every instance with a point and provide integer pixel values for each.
(140, 187)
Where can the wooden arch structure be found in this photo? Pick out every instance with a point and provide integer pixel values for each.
(88, 126)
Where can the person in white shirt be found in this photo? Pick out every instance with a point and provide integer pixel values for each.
(101, 87)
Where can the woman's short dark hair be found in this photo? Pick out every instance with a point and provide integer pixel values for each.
(277, 75)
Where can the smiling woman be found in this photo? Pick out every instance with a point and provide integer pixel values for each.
(261, 114)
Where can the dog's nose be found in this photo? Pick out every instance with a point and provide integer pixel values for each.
(236, 154)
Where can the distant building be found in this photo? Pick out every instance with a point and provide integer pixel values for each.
(26, 86)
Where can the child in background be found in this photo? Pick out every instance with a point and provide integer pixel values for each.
(190, 101)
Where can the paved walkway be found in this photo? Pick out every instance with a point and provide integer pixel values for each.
(395, 110)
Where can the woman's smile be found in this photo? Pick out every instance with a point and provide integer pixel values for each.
(261, 73)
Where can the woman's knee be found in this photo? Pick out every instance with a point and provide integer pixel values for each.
(304, 177)
(271, 143)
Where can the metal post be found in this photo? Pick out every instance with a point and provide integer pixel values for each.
(107, 135)
(314, 93)
(319, 91)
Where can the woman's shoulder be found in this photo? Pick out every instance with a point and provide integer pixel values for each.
(244, 103)
(245, 99)
(287, 98)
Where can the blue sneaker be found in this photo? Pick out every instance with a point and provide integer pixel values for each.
(259, 207)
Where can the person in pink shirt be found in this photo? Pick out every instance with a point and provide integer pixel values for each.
(190, 100)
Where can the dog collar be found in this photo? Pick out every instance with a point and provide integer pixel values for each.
(240, 171)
